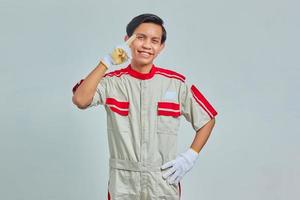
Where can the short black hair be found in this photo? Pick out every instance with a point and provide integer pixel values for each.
(146, 18)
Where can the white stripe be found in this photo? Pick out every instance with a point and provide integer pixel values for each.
(121, 74)
(207, 110)
(122, 109)
(118, 75)
(171, 76)
(168, 109)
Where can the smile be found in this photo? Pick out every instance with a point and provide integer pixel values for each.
(145, 53)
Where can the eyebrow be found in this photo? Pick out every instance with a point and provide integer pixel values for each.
(142, 34)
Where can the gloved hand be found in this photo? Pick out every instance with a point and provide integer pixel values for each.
(119, 55)
(180, 166)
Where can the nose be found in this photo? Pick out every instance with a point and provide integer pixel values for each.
(147, 44)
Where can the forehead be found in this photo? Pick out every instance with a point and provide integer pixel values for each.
(149, 29)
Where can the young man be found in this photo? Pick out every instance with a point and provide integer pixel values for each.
(144, 103)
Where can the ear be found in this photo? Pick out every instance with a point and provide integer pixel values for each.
(126, 38)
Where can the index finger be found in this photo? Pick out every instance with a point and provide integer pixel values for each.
(130, 40)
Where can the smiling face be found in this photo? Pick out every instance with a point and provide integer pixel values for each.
(147, 45)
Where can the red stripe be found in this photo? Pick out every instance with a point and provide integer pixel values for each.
(120, 104)
(168, 113)
(170, 74)
(121, 112)
(117, 73)
(169, 105)
(203, 102)
(203, 107)
(76, 86)
(108, 196)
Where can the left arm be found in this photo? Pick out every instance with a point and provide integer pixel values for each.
(202, 135)
(185, 161)
(197, 110)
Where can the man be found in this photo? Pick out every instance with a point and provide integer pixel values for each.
(144, 103)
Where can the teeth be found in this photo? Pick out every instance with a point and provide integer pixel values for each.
(144, 53)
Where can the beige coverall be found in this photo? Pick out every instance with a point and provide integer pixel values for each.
(143, 116)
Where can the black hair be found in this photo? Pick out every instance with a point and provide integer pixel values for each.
(146, 18)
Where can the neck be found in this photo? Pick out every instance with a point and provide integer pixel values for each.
(144, 69)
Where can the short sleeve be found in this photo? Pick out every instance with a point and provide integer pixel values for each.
(100, 93)
(195, 107)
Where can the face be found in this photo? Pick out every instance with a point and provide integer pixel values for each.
(147, 44)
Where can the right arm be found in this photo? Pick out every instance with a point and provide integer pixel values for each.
(84, 94)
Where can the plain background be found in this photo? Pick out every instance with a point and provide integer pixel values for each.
(242, 55)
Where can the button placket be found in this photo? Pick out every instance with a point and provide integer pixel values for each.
(143, 145)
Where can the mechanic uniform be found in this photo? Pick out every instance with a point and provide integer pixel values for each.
(143, 116)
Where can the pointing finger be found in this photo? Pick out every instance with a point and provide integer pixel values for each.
(130, 40)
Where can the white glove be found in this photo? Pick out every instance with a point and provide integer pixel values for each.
(180, 166)
(119, 54)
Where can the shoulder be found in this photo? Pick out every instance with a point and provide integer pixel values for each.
(170, 74)
(116, 73)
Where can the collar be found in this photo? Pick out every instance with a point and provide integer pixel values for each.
(140, 75)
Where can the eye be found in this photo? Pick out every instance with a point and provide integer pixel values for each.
(155, 41)
(140, 37)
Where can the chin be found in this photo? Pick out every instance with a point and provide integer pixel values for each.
(143, 62)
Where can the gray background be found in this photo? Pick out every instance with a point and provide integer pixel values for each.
(241, 54)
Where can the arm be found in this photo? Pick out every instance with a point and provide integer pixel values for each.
(85, 92)
(202, 136)
(201, 114)
(185, 161)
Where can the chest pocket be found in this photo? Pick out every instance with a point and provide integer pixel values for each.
(168, 117)
(117, 112)
(120, 107)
